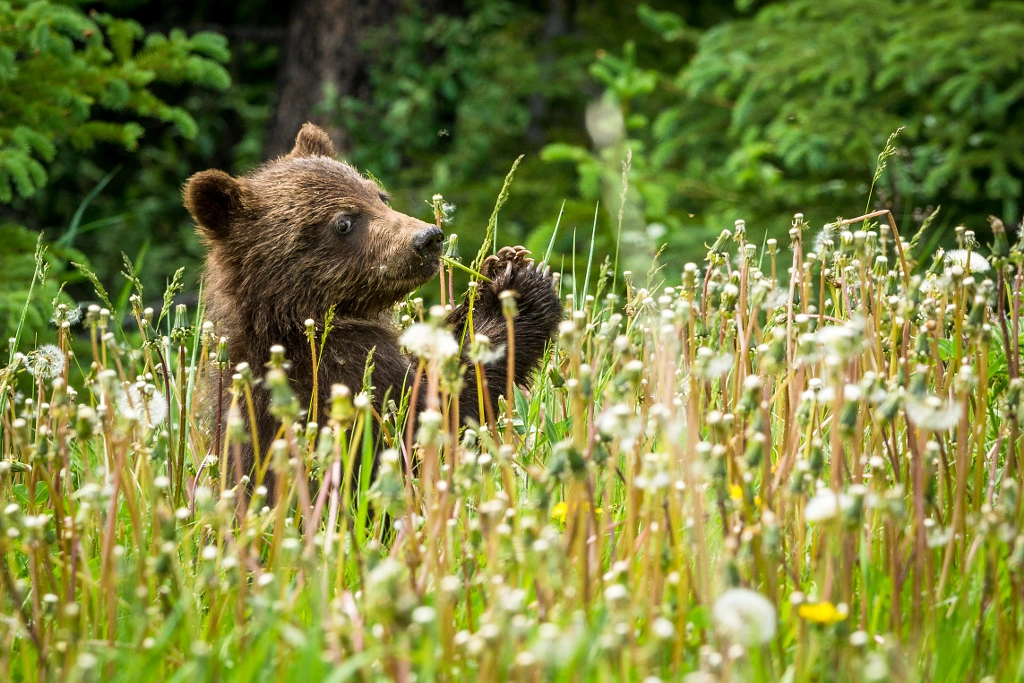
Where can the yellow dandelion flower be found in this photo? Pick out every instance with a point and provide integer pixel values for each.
(824, 613)
(559, 511)
(736, 492)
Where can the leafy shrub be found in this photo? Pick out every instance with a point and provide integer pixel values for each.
(60, 70)
(70, 79)
(785, 111)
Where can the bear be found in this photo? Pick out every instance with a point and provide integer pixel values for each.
(305, 232)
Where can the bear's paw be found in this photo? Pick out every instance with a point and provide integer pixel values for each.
(512, 269)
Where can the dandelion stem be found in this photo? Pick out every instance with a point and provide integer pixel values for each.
(455, 264)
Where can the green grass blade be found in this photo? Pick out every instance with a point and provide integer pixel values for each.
(554, 233)
(490, 237)
(590, 256)
(76, 220)
(37, 275)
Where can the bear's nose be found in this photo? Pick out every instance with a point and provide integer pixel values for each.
(428, 242)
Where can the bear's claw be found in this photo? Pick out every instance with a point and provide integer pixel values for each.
(507, 259)
(511, 268)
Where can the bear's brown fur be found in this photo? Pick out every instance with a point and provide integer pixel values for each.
(305, 232)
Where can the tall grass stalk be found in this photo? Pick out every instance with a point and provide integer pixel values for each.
(734, 474)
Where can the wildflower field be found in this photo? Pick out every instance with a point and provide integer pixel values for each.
(792, 462)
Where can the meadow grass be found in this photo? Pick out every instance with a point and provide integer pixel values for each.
(796, 465)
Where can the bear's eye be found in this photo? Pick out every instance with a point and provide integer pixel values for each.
(342, 224)
(385, 198)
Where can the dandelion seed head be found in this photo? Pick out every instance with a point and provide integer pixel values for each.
(616, 593)
(424, 614)
(710, 365)
(142, 402)
(825, 505)
(776, 299)
(482, 352)
(66, 315)
(932, 413)
(526, 659)
(838, 339)
(859, 638)
(663, 628)
(744, 616)
(699, 677)
(489, 631)
(430, 342)
(825, 235)
(87, 660)
(47, 362)
(969, 261)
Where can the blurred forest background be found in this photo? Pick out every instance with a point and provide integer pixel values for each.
(750, 110)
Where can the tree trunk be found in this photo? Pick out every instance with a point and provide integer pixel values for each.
(557, 23)
(322, 48)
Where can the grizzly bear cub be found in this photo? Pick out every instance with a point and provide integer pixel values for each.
(305, 232)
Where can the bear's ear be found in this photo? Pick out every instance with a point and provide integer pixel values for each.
(313, 141)
(215, 200)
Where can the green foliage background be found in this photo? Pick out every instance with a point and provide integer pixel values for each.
(726, 111)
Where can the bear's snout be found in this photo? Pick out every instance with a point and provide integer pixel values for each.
(427, 243)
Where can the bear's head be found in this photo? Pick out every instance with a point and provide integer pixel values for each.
(304, 232)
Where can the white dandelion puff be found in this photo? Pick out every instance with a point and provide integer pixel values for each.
(744, 616)
(828, 232)
(153, 410)
(777, 298)
(710, 365)
(66, 314)
(663, 628)
(615, 421)
(442, 208)
(970, 261)
(616, 593)
(447, 209)
(838, 339)
(482, 352)
(424, 614)
(47, 362)
(427, 341)
(826, 504)
(933, 414)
